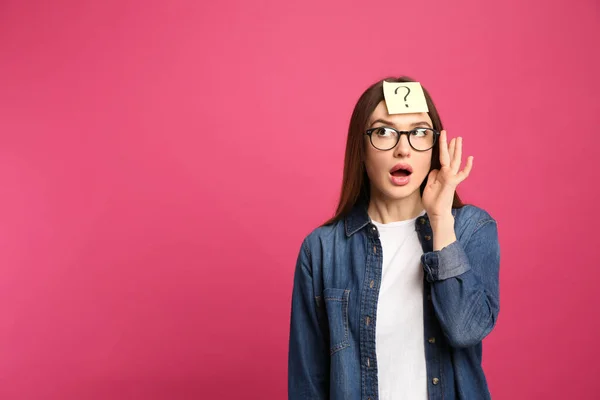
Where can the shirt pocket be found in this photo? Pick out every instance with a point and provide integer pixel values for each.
(336, 305)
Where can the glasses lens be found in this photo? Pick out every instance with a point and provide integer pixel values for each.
(422, 138)
(384, 138)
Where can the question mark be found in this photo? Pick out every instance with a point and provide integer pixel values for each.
(407, 88)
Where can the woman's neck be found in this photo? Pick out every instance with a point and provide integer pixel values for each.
(392, 210)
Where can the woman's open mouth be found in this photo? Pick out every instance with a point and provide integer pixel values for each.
(400, 174)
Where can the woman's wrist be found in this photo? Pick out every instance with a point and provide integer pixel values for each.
(443, 231)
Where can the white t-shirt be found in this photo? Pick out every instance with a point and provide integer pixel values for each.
(399, 335)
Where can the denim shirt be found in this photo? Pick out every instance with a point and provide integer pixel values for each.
(334, 304)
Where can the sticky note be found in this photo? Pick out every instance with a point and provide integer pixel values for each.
(404, 97)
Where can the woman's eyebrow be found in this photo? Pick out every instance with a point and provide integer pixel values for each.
(414, 124)
(421, 123)
(382, 121)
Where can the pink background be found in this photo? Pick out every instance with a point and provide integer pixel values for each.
(160, 163)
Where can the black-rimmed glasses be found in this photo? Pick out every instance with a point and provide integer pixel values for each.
(420, 139)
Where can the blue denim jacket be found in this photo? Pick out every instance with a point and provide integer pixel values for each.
(336, 287)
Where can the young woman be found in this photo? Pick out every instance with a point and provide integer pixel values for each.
(393, 296)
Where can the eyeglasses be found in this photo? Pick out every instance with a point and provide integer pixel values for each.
(420, 139)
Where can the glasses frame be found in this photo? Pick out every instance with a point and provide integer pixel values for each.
(369, 133)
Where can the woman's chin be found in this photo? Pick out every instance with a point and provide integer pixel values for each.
(398, 192)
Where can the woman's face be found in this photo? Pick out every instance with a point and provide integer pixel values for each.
(380, 164)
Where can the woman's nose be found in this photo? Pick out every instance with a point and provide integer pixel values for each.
(403, 146)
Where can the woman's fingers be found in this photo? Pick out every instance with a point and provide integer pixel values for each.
(457, 156)
(444, 154)
(464, 174)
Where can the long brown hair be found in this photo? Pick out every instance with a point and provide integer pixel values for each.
(356, 187)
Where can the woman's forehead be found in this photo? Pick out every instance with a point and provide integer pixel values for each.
(381, 112)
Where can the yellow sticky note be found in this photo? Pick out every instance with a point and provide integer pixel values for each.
(404, 97)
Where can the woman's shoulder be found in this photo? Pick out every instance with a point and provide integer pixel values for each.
(474, 213)
(322, 235)
(325, 231)
(470, 219)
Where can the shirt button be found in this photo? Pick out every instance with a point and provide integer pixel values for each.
(372, 284)
(427, 237)
(375, 249)
(431, 340)
(436, 381)
(368, 320)
(422, 220)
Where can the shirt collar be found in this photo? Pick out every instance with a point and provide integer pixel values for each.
(358, 218)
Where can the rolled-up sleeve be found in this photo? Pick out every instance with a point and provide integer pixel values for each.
(446, 263)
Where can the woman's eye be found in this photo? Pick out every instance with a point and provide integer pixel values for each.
(420, 132)
(383, 132)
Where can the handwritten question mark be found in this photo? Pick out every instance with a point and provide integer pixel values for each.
(407, 88)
